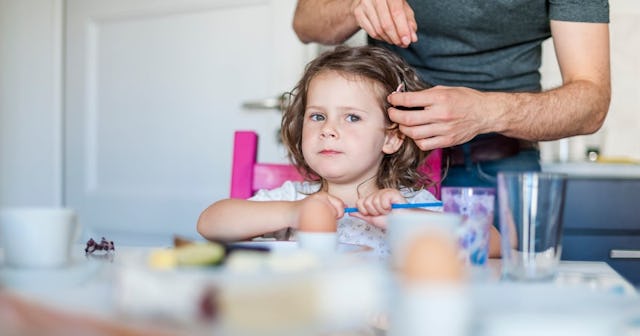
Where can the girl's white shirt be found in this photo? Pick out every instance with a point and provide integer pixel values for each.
(351, 230)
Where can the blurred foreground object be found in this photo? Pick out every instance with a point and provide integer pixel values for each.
(287, 292)
(193, 254)
(21, 317)
(432, 298)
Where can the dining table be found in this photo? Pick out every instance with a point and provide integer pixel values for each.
(280, 289)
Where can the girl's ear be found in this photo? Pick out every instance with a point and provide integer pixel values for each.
(392, 141)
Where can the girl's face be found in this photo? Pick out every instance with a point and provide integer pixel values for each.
(344, 135)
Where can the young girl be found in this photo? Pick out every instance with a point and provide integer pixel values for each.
(341, 139)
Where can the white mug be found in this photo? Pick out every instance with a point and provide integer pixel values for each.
(37, 237)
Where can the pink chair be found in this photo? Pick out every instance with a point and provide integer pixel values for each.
(249, 176)
(433, 168)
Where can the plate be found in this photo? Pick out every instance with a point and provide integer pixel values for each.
(287, 245)
(77, 272)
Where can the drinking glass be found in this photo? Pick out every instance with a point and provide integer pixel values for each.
(531, 205)
(475, 205)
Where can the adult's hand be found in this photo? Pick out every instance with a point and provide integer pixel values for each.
(451, 115)
(454, 115)
(391, 21)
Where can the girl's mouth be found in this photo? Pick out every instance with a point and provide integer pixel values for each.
(329, 152)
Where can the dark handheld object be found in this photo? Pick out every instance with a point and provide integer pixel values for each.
(242, 247)
(103, 245)
(404, 108)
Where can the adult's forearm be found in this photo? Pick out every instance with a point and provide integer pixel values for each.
(576, 108)
(324, 21)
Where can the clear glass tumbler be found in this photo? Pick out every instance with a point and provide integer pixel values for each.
(531, 205)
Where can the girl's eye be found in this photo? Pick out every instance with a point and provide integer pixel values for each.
(353, 118)
(316, 117)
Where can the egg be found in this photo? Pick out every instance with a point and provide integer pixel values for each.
(432, 258)
(317, 216)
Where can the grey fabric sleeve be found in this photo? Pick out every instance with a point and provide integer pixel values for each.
(594, 11)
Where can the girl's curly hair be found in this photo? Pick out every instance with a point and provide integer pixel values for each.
(382, 67)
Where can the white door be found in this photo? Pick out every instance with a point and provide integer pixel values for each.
(154, 92)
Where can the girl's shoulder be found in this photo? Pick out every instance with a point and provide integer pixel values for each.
(288, 191)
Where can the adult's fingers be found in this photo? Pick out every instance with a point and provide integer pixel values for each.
(413, 25)
(403, 21)
(367, 10)
(412, 99)
(365, 23)
(431, 136)
(387, 20)
(411, 117)
(432, 143)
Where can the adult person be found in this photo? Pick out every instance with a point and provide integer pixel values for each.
(482, 56)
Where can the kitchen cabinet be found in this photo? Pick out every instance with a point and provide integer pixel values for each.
(602, 222)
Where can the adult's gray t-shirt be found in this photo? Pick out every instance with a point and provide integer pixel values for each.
(489, 45)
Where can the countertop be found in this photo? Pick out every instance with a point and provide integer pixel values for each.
(594, 169)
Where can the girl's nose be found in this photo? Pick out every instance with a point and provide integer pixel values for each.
(328, 131)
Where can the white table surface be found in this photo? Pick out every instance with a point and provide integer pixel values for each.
(87, 287)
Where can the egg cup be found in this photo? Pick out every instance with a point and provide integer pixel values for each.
(318, 242)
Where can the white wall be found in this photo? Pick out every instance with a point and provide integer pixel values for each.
(30, 102)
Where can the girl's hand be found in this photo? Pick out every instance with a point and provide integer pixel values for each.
(374, 207)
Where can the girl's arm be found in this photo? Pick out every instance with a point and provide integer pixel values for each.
(238, 219)
(494, 242)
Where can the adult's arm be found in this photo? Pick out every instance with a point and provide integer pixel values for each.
(324, 21)
(581, 104)
(334, 21)
(455, 115)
